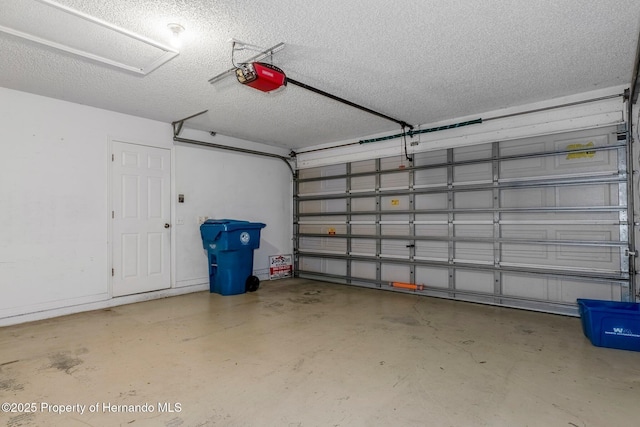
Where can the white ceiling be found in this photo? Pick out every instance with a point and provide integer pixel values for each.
(420, 61)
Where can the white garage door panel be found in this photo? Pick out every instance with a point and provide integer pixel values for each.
(438, 228)
(395, 248)
(549, 143)
(319, 265)
(585, 257)
(561, 218)
(323, 229)
(335, 266)
(394, 180)
(468, 252)
(557, 290)
(475, 173)
(334, 244)
(363, 246)
(528, 287)
(324, 219)
(569, 291)
(313, 206)
(394, 203)
(475, 281)
(387, 217)
(473, 200)
(311, 243)
(473, 218)
(578, 258)
(583, 195)
(431, 201)
(527, 197)
(426, 219)
(436, 157)
(363, 204)
(431, 177)
(523, 168)
(363, 166)
(363, 183)
(334, 205)
(432, 250)
(472, 152)
(578, 232)
(313, 187)
(396, 229)
(311, 264)
(324, 244)
(472, 230)
(433, 277)
(365, 270)
(571, 196)
(396, 273)
(534, 223)
(366, 229)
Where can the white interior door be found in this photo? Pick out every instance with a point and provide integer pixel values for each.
(141, 179)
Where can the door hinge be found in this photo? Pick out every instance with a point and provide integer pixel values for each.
(113, 157)
(113, 272)
(113, 215)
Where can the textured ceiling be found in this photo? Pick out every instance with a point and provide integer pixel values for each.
(419, 61)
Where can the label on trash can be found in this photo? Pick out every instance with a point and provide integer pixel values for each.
(244, 238)
(280, 266)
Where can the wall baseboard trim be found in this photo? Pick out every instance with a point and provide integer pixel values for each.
(204, 281)
(100, 305)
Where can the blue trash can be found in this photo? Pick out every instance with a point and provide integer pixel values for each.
(230, 244)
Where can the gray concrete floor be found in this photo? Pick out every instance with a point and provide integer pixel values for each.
(304, 353)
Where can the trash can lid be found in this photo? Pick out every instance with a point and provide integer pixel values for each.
(233, 224)
(222, 221)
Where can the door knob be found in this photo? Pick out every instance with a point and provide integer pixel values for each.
(167, 226)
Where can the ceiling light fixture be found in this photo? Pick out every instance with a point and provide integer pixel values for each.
(176, 30)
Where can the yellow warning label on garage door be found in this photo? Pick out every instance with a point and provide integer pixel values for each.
(581, 154)
(395, 202)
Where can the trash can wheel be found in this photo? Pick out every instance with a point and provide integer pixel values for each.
(252, 284)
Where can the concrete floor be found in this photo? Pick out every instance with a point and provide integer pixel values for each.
(304, 353)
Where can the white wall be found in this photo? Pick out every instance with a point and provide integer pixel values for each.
(225, 184)
(54, 204)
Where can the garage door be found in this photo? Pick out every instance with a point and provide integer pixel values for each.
(533, 223)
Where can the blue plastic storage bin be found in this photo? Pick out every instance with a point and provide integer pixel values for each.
(230, 244)
(611, 324)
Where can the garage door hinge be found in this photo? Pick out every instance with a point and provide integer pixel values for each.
(113, 272)
(113, 157)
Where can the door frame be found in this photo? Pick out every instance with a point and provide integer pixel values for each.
(110, 140)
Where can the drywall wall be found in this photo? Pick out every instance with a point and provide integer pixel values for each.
(55, 203)
(226, 184)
